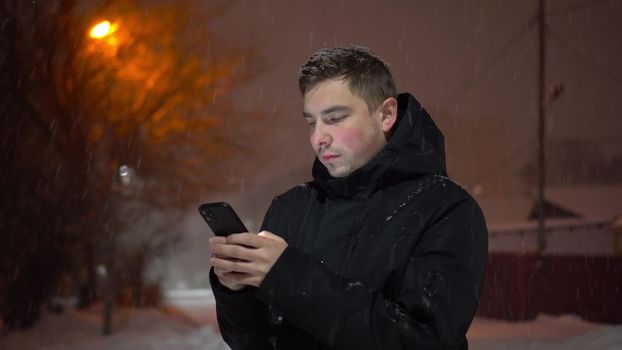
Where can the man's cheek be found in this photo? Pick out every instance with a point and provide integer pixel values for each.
(351, 138)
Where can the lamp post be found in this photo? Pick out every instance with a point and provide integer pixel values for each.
(541, 117)
(121, 185)
(105, 43)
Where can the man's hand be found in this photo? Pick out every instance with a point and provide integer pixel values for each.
(224, 276)
(244, 259)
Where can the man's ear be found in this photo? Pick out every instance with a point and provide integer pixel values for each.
(389, 114)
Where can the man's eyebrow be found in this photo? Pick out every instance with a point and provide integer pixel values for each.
(337, 108)
(329, 110)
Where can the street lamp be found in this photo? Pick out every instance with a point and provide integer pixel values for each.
(104, 38)
(125, 174)
(102, 30)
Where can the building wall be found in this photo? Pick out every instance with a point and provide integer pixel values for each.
(520, 286)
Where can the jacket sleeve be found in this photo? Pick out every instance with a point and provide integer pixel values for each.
(242, 318)
(436, 302)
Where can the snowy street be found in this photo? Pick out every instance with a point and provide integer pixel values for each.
(190, 324)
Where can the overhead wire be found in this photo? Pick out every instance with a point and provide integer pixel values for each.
(499, 54)
(521, 151)
(583, 57)
(518, 151)
(578, 6)
(502, 51)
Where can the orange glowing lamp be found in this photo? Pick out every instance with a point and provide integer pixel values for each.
(102, 30)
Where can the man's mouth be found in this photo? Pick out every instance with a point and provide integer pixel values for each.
(329, 157)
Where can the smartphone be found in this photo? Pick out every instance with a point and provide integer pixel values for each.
(221, 218)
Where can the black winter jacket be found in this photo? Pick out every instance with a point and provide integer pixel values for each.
(389, 257)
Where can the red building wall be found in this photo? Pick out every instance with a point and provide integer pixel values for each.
(520, 286)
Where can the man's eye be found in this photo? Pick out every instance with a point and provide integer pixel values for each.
(337, 118)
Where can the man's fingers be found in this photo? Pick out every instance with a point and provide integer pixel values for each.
(214, 241)
(233, 251)
(217, 240)
(247, 239)
(268, 234)
(224, 273)
(246, 258)
(228, 266)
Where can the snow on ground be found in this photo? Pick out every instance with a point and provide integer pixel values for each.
(546, 332)
(194, 328)
(148, 329)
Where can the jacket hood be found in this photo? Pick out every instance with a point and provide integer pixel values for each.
(416, 148)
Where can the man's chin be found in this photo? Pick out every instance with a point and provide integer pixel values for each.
(338, 171)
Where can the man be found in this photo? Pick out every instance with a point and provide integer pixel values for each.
(380, 251)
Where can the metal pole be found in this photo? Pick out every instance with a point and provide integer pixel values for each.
(541, 125)
(107, 326)
(123, 178)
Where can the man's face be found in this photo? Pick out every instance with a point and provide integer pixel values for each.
(343, 133)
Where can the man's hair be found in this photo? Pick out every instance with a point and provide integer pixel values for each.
(366, 74)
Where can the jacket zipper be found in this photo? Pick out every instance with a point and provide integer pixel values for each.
(354, 238)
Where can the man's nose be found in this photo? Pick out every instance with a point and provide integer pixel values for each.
(321, 137)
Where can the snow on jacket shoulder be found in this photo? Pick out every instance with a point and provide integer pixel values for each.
(390, 257)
